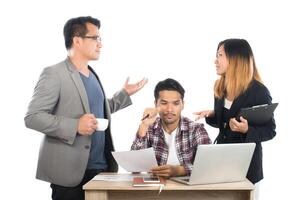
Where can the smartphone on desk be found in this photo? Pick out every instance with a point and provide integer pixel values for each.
(151, 180)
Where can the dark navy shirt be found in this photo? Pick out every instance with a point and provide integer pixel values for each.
(96, 102)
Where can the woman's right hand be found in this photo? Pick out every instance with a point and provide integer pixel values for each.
(204, 113)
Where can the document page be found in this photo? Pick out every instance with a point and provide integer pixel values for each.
(136, 161)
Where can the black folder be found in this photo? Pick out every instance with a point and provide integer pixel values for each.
(259, 114)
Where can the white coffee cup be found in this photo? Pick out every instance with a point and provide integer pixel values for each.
(101, 124)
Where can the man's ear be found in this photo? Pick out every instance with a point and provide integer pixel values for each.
(182, 104)
(76, 41)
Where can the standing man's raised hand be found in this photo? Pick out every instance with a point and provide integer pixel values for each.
(135, 87)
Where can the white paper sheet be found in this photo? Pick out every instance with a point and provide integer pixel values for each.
(118, 177)
(136, 161)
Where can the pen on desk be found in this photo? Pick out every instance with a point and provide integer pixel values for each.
(145, 117)
(160, 189)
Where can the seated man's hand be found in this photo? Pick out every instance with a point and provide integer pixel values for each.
(149, 117)
(169, 170)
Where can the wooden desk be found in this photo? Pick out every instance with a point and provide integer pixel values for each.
(112, 190)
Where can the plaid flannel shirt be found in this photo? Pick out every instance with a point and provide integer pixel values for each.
(189, 136)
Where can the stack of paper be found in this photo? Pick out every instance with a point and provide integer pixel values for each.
(136, 161)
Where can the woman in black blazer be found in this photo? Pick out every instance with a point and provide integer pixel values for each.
(239, 86)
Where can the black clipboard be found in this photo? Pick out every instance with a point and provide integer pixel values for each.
(259, 114)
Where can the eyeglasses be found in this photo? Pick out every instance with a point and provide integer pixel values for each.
(96, 38)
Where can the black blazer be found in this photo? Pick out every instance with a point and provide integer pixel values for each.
(256, 94)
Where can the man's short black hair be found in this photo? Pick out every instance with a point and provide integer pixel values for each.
(77, 27)
(168, 84)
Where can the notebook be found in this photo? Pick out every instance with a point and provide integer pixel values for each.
(259, 114)
(219, 163)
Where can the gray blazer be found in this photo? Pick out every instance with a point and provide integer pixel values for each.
(59, 100)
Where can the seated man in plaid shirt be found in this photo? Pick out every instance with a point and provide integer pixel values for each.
(173, 137)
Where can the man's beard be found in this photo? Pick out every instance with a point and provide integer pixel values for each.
(169, 121)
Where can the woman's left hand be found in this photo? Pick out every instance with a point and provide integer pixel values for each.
(236, 126)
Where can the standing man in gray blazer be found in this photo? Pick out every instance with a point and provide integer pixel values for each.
(66, 102)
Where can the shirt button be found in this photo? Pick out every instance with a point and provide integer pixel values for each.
(86, 146)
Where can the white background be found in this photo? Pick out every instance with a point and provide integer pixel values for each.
(156, 39)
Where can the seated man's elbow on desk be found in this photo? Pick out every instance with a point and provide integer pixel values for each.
(169, 170)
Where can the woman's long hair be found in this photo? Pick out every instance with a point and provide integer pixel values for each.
(240, 71)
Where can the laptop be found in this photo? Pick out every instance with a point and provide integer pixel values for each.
(258, 114)
(219, 163)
